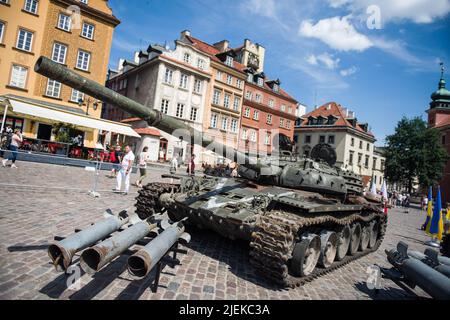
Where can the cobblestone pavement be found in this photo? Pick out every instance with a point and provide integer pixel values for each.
(34, 207)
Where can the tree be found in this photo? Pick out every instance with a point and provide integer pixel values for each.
(414, 152)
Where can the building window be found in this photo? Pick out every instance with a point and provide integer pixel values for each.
(59, 53)
(382, 165)
(180, 110)
(360, 144)
(368, 146)
(184, 81)
(308, 139)
(31, 6)
(229, 61)
(216, 97)
(269, 119)
(283, 108)
(219, 75)
(258, 98)
(248, 95)
(214, 120)
(247, 113)
(244, 134)
(331, 139)
(366, 163)
(168, 76)
(256, 115)
(253, 135)
(187, 57)
(226, 100)
(2, 30)
(359, 158)
(197, 86)
(352, 142)
(267, 139)
(271, 102)
(201, 64)
(234, 125)
(350, 159)
(237, 103)
(281, 123)
(76, 96)
(229, 80)
(83, 60)
(165, 106)
(193, 116)
(224, 124)
(276, 88)
(322, 139)
(290, 110)
(374, 163)
(24, 40)
(64, 22)
(260, 82)
(18, 76)
(88, 31)
(53, 88)
(288, 124)
(239, 83)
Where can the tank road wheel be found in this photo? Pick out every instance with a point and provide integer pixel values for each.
(355, 239)
(373, 226)
(343, 243)
(329, 241)
(365, 237)
(305, 255)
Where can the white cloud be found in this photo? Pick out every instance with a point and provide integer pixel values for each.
(324, 59)
(338, 3)
(265, 8)
(418, 11)
(338, 33)
(348, 72)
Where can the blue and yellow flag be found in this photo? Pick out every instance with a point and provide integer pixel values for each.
(437, 223)
(429, 209)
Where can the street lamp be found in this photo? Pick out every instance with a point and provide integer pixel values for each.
(87, 103)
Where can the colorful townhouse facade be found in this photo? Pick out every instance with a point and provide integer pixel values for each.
(76, 34)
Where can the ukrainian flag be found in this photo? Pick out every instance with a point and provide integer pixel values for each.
(429, 210)
(437, 223)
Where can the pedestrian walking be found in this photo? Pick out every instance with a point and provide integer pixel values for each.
(144, 157)
(16, 140)
(116, 159)
(191, 166)
(125, 170)
(174, 165)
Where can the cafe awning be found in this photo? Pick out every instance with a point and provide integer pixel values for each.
(47, 112)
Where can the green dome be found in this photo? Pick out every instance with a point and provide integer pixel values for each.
(441, 94)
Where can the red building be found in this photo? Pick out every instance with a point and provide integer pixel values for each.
(439, 118)
(266, 111)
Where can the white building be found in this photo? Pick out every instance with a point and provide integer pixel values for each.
(174, 82)
(352, 141)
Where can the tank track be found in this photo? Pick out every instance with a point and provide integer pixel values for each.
(445, 246)
(275, 236)
(147, 201)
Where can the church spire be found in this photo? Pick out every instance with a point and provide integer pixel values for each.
(442, 81)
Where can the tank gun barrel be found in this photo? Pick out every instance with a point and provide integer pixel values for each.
(154, 118)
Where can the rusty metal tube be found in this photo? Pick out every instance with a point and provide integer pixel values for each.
(95, 258)
(155, 118)
(63, 251)
(142, 262)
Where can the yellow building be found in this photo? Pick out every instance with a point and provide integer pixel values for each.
(77, 34)
(225, 94)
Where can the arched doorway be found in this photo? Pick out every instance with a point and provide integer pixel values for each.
(163, 150)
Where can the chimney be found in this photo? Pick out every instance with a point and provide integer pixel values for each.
(185, 33)
(120, 67)
(222, 45)
(136, 57)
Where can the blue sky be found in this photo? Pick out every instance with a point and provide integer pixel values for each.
(380, 61)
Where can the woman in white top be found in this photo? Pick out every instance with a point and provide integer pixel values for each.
(143, 159)
(16, 140)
